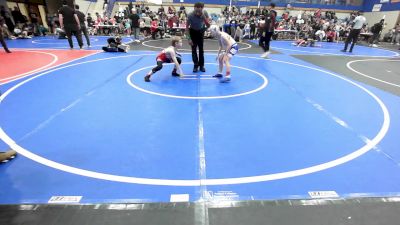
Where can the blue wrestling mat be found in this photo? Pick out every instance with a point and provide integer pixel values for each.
(282, 128)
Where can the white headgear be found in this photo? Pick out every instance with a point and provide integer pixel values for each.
(213, 29)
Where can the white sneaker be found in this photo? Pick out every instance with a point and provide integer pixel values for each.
(397, 43)
(265, 55)
(374, 45)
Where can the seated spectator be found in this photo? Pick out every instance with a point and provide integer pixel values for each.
(320, 35)
(238, 34)
(330, 35)
(155, 28)
(61, 33)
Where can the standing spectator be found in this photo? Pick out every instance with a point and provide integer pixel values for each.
(89, 20)
(35, 21)
(359, 21)
(197, 22)
(69, 21)
(7, 18)
(134, 17)
(82, 19)
(3, 43)
(49, 20)
(17, 15)
(396, 35)
(376, 31)
(267, 30)
(252, 28)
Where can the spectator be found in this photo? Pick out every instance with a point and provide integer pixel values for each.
(7, 18)
(17, 15)
(396, 35)
(82, 19)
(135, 25)
(3, 43)
(155, 29)
(320, 35)
(69, 21)
(267, 30)
(376, 30)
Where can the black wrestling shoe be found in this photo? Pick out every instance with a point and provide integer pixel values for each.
(147, 78)
(175, 74)
(202, 69)
(218, 75)
(343, 50)
(195, 69)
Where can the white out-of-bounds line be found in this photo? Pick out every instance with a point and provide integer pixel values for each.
(370, 77)
(338, 54)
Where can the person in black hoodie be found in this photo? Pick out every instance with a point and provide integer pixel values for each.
(376, 30)
(3, 43)
(69, 21)
(267, 30)
(82, 19)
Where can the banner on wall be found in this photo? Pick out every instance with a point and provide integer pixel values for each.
(393, 1)
(377, 7)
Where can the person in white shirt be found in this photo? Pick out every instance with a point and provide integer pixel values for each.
(359, 21)
(320, 34)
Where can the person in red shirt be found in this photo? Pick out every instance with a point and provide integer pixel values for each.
(155, 29)
(330, 35)
(168, 55)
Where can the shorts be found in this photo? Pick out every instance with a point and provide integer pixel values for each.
(234, 49)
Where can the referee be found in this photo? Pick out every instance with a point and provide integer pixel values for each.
(358, 23)
(197, 23)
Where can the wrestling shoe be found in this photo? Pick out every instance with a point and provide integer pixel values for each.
(5, 156)
(225, 80)
(147, 78)
(218, 75)
(175, 74)
(265, 55)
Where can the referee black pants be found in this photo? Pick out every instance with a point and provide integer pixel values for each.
(197, 37)
(353, 37)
